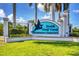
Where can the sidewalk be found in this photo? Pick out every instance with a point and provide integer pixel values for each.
(1, 38)
(14, 39)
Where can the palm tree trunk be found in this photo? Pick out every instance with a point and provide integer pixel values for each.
(52, 12)
(58, 9)
(35, 12)
(14, 15)
(59, 15)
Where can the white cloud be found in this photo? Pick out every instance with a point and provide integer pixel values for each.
(10, 17)
(76, 11)
(1, 21)
(19, 20)
(46, 17)
(40, 7)
(2, 13)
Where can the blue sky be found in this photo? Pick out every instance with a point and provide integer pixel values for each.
(24, 12)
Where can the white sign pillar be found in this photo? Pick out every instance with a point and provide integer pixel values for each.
(5, 29)
(30, 27)
(66, 25)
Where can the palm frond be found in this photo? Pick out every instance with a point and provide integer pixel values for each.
(30, 4)
(58, 7)
(65, 6)
(46, 7)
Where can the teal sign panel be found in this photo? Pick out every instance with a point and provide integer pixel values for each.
(45, 28)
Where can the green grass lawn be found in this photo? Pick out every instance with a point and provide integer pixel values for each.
(40, 48)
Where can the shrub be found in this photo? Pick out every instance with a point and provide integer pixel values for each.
(16, 31)
(1, 29)
(76, 34)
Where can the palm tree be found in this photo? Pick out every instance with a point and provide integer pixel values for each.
(30, 4)
(66, 8)
(52, 11)
(58, 8)
(14, 15)
(35, 12)
(66, 17)
(50, 7)
(47, 7)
